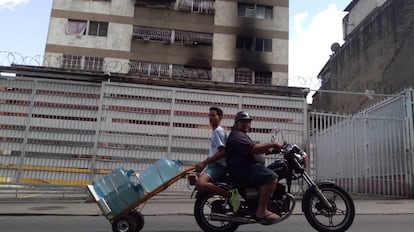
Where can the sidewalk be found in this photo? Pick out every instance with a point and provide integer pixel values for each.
(167, 204)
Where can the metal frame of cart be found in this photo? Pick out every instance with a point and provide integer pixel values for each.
(131, 219)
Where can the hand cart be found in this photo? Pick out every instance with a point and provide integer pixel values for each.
(131, 219)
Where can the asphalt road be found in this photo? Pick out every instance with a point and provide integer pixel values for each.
(184, 223)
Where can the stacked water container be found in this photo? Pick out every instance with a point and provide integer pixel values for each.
(158, 173)
(122, 188)
(117, 191)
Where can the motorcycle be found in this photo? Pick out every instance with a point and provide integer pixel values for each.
(326, 206)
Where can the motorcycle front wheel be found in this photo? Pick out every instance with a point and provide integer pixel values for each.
(339, 218)
(205, 205)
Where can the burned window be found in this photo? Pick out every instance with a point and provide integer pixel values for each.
(264, 45)
(243, 75)
(244, 42)
(262, 78)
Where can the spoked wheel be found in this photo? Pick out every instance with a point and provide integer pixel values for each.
(124, 223)
(339, 218)
(205, 205)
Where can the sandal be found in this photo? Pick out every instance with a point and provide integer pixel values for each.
(268, 219)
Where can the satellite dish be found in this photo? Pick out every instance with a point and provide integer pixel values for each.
(335, 47)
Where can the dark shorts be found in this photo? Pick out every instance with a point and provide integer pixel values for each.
(255, 175)
(215, 170)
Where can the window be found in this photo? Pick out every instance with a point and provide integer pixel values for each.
(149, 69)
(194, 38)
(152, 33)
(264, 45)
(264, 12)
(191, 72)
(89, 63)
(263, 78)
(71, 62)
(254, 11)
(246, 43)
(199, 6)
(245, 75)
(98, 28)
(76, 27)
(93, 63)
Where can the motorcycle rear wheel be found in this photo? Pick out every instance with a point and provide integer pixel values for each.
(322, 219)
(208, 203)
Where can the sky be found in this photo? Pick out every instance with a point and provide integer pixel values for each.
(314, 25)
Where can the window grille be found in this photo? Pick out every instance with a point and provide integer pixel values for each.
(98, 28)
(243, 75)
(192, 73)
(152, 33)
(263, 78)
(71, 62)
(93, 63)
(194, 38)
(199, 6)
(149, 69)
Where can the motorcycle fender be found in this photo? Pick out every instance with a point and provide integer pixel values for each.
(310, 191)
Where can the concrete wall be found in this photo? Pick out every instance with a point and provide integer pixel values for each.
(376, 56)
(361, 9)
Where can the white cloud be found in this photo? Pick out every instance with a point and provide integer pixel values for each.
(310, 47)
(11, 4)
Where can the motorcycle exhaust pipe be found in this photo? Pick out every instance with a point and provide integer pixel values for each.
(230, 218)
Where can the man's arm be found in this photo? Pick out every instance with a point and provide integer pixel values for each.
(218, 155)
(260, 148)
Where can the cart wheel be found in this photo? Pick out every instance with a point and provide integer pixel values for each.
(139, 220)
(124, 223)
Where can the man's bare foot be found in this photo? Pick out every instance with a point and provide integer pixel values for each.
(268, 216)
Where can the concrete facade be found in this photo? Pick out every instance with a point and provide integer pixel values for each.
(376, 56)
(222, 21)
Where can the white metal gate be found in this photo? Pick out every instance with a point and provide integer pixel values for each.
(56, 132)
(370, 152)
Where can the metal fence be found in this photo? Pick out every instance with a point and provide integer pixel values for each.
(370, 152)
(68, 133)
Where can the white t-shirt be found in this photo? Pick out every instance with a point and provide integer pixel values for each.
(218, 139)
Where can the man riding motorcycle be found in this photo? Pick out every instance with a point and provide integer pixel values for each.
(245, 170)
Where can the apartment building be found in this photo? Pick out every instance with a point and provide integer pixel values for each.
(242, 41)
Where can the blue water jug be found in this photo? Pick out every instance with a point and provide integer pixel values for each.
(130, 193)
(120, 176)
(158, 173)
(103, 186)
(115, 203)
